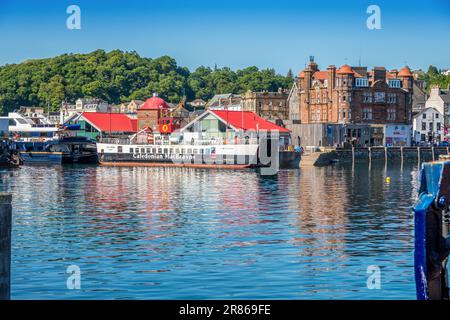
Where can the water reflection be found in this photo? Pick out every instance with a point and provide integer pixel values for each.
(188, 233)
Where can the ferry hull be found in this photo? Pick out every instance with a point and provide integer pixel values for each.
(218, 156)
(193, 161)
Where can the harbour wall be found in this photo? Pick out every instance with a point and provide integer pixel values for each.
(418, 154)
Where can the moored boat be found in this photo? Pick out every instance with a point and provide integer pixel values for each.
(59, 151)
(49, 144)
(216, 139)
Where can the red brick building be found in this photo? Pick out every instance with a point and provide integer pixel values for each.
(149, 113)
(353, 95)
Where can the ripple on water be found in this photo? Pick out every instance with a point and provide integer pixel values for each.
(171, 233)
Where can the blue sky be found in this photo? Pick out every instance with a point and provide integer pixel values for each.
(277, 34)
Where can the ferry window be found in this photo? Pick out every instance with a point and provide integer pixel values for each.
(154, 150)
(159, 150)
(131, 150)
(189, 151)
(165, 150)
(137, 150)
(207, 151)
(21, 121)
(177, 150)
(182, 151)
(148, 150)
(119, 149)
(142, 150)
(195, 151)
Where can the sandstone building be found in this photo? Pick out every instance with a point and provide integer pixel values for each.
(269, 105)
(350, 95)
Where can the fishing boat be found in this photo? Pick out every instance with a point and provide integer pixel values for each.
(215, 139)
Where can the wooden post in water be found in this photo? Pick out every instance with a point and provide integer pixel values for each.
(5, 245)
(370, 154)
(418, 155)
(401, 158)
(385, 155)
(353, 155)
(432, 153)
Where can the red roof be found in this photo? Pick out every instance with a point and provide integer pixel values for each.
(345, 69)
(114, 122)
(405, 72)
(247, 120)
(154, 103)
(320, 75)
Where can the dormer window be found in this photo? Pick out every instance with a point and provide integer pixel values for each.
(361, 82)
(394, 83)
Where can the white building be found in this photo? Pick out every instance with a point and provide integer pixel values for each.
(82, 105)
(428, 126)
(439, 99)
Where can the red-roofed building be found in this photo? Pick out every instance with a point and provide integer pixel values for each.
(247, 121)
(149, 113)
(226, 125)
(93, 124)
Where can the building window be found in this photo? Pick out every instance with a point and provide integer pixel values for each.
(424, 126)
(437, 115)
(391, 114)
(367, 97)
(361, 82)
(438, 126)
(394, 83)
(431, 126)
(392, 98)
(119, 149)
(367, 113)
(379, 97)
(424, 116)
(422, 137)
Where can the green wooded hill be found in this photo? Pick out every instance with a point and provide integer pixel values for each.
(119, 76)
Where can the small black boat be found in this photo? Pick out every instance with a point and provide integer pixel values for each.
(66, 149)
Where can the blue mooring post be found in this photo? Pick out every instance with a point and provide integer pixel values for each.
(431, 223)
(5, 245)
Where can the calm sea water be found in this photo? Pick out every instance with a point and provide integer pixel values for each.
(173, 233)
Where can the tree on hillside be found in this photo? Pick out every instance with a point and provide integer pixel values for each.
(118, 76)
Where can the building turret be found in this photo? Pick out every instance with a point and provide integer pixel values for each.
(406, 77)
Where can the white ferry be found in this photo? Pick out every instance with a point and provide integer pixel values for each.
(216, 139)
